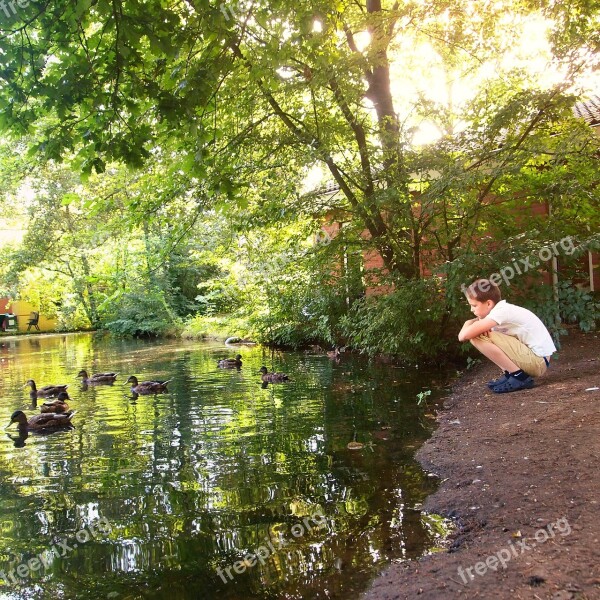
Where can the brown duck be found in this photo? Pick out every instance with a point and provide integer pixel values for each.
(228, 363)
(96, 377)
(147, 387)
(56, 406)
(272, 377)
(47, 390)
(42, 422)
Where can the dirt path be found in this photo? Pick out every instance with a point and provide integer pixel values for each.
(521, 476)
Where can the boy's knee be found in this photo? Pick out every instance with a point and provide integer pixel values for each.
(480, 339)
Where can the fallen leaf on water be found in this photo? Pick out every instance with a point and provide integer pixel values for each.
(354, 446)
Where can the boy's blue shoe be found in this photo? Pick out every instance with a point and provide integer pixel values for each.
(512, 384)
(492, 384)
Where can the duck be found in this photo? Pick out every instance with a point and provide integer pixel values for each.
(41, 422)
(272, 377)
(147, 387)
(47, 390)
(96, 377)
(56, 406)
(335, 353)
(230, 362)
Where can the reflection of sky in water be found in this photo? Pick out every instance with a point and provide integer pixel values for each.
(202, 476)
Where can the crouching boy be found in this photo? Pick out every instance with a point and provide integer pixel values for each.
(511, 336)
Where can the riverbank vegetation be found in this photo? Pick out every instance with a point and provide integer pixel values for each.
(163, 159)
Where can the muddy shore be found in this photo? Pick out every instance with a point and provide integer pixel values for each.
(521, 479)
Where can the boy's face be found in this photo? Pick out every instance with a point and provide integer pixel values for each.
(480, 309)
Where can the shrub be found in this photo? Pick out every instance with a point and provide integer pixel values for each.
(411, 322)
(574, 306)
(144, 315)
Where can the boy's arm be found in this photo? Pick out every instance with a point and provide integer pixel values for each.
(474, 327)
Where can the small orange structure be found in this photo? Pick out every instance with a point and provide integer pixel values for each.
(22, 316)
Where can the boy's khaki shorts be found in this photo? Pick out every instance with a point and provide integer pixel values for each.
(518, 352)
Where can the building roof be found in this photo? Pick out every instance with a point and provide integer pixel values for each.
(589, 110)
(329, 188)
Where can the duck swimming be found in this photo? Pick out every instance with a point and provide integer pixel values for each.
(147, 387)
(96, 377)
(230, 362)
(41, 422)
(47, 390)
(272, 377)
(56, 406)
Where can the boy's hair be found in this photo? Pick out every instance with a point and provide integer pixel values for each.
(482, 290)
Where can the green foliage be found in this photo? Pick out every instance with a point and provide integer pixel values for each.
(71, 315)
(222, 118)
(529, 288)
(144, 314)
(472, 362)
(575, 306)
(300, 315)
(409, 322)
(217, 327)
(228, 114)
(422, 397)
(578, 306)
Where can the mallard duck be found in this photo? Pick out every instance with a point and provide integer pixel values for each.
(47, 390)
(41, 422)
(272, 377)
(335, 353)
(96, 377)
(56, 406)
(230, 362)
(147, 387)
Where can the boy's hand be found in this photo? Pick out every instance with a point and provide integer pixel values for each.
(475, 327)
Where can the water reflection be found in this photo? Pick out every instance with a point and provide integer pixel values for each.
(199, 481)
(19, 439)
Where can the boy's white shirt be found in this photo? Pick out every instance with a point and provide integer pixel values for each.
(521, 323)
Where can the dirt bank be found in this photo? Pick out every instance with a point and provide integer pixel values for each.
(521, 477)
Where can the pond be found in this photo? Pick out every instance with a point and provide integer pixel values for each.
(220, 488)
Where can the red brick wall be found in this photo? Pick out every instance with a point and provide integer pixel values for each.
(373, 262)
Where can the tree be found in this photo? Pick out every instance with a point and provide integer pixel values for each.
(63, 239)
(246, 97)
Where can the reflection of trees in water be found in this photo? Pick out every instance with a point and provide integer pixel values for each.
(217, 466)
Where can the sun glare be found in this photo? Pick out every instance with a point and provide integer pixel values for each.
(419, 74)
(362, 39)
(314, 178)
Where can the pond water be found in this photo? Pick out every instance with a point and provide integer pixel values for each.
(220, 488)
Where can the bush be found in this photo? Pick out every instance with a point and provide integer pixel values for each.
(574, 306)
(216, 327)
(529, 289)
(144, 315)
(411, 322)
